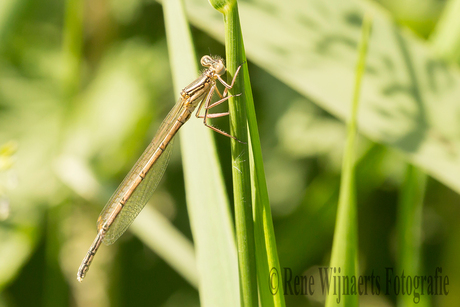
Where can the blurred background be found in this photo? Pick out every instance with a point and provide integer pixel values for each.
(83, 87)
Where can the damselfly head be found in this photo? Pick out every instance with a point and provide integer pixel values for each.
(217, 64)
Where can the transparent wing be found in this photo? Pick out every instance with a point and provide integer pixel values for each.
(144, 191)
(139, 198)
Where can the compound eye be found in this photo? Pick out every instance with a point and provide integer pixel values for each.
(206, 61)
(220, 68)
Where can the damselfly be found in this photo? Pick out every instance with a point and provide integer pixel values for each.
(140, 183)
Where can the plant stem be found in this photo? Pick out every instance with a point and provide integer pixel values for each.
(240, 162)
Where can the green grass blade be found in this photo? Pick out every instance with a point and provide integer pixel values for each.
(240, 155)
(168, 242)
(207, 201)
(9, 11)
(242, 108)
(345, 245)
(409, 225)
(446, 36)
(72, 46)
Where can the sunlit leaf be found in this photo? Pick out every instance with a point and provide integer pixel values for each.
(409, 99)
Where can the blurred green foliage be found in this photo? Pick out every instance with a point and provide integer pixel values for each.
(75, 115)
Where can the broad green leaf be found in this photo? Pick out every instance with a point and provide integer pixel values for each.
(409, 99)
